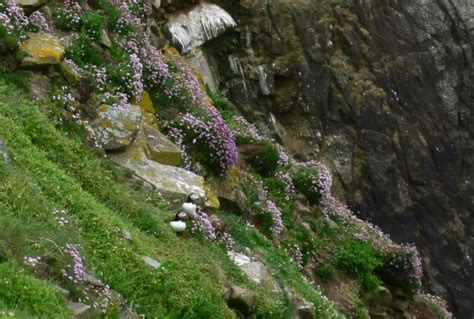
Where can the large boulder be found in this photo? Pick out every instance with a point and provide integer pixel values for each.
(160, 148)
(116, 127)
(202, 23)
(41, 49)
(174, 183)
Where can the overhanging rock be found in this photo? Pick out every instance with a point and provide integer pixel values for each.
(204, 22)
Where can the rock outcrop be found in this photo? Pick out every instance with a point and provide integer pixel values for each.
(382, 90)
(41, 49)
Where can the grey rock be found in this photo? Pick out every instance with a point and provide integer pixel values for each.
(242, 300)
(116, 127)
(39, 86)
(4, 155)
(160, 148)
(256, 271)
(151, 262)
(30, 5)
(80, 310)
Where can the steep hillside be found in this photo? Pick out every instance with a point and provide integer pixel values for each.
(106, 128)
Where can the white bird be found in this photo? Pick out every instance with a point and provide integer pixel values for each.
(189, 207)
(177, 223)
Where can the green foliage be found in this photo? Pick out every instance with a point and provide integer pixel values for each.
(63, 22)
(93, 23)
(360, 259)
(20, 290)
(84, 51)
(325, 272)
(8, 40)
(266, 161)
(218, 100)
(304, 181)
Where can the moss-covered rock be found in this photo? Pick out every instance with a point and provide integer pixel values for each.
(160, 148)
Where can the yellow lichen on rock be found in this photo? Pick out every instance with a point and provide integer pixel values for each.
(41, 49)
(211, 201)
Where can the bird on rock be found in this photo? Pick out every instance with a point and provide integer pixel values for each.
(190, 206)
(178, 223)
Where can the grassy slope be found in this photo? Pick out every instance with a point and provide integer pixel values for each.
(52, 170)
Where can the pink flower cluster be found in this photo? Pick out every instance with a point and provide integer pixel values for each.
(440, 303)
(73, 11)
(154, 64)
(77, 264)
(267, 205)
(60, 219)
(287, 180)
(415, 261)
(191, 83)
(203, 224)
(247, 129)
(215, 135)
(16, 14)
(136, 83)
(73, 66)
(32, 261)
(37, 19)
(177, 136)
(296, 256)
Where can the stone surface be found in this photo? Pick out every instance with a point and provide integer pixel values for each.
(383, 90)
(203, 64)
(212, 200)
(160, 148)
(41, 49)
(204, 22)
(71, 75)
(303, 309)
(4, 155)
(229, 190)
(80, 310)
(174, 183)
(151, 262)
(116, 127)
(105, 40)
(39, 86)
(30, 5)
(242, 300)
(256, 271)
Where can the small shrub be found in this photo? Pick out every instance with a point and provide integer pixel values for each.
(325, 272)
(359, 259)
(83, 51)
(305, 181)
(93, 24)
(266, 161)
(218, 100)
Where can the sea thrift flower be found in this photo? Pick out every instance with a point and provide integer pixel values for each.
(16, 14)
(215, 135)
(6, 22)
(32, 261)
(440, 303)
(297, 256)
(77, 264)
(204, 224)
(136, 85)
(249, 129)
(287, 180)
(37, 19)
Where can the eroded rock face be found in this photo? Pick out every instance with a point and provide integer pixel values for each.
(160, 148)
(41, 49)
(242, 300)
(382, 90)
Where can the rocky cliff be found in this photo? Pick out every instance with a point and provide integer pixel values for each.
(382, 90)
(266, 117)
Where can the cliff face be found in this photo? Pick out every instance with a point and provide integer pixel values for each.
(383, 91)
